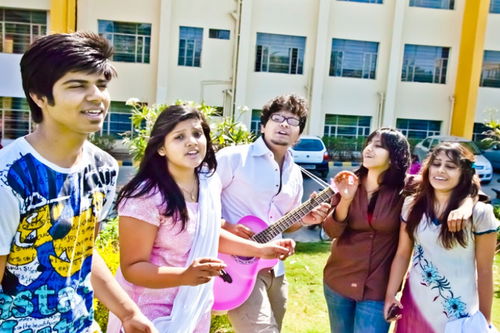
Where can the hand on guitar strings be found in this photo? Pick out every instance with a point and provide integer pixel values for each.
(279, 248)
(201, 271)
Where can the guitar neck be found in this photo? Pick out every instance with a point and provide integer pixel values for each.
(292, 217)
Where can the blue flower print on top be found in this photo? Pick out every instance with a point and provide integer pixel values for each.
(453, 307)
(429, 274)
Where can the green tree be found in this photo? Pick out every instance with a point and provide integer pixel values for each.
(224, 132)
(493, 133)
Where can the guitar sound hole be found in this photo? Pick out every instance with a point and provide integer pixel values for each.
(244, 260)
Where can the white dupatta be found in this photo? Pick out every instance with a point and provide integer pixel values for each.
(192, 302)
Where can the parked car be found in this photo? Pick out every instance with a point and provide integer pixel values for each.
(311, 154)
(493, 155)
(483, 166)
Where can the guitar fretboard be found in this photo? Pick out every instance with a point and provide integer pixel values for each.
(292, 217)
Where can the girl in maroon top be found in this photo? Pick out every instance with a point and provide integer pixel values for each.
(365, 225)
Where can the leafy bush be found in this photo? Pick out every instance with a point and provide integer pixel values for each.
(224, 133)
(108, 247)
(105, 142)
(344, 149)
(493, 134)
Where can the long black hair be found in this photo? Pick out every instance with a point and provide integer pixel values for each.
(153, 169)
(399, 155)
(468, 185)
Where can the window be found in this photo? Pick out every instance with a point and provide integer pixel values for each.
(218, 34)
(439, 4)
(367, 1)
(280, 53)
(15, 117)
(346, 126)
(425, 64)
(118, 120)
(495, 6)
(255, 122)
(348, 132)
(131, 41)
(417, 128)
(190, 44)
(490, 75)
(19, 28)
(352, 58)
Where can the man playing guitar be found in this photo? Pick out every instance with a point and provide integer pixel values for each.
(261, 179)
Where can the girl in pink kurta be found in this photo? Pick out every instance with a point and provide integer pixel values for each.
(170, 248)
(170, 227)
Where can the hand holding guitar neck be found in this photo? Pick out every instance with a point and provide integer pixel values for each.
(318, 213)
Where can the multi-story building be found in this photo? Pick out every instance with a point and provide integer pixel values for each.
(424, 66)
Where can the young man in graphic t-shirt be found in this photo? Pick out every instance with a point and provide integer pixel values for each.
(55, 188)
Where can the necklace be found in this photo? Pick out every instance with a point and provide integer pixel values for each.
(191, 194)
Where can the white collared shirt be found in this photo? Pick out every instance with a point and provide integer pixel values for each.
(252, 184)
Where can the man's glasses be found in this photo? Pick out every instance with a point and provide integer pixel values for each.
(278, 118)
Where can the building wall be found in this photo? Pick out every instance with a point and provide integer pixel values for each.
(292, 17)
(134, 79)
(10, 84)
(429, 100)
(208, 82)
(489, 97)
(392, 24)
(364, 22)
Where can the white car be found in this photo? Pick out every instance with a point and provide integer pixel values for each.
(483, 166)
(311, 154)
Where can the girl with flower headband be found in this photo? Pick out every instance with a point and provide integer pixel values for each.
(450, 278)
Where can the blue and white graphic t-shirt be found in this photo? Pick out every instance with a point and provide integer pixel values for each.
(48, 217)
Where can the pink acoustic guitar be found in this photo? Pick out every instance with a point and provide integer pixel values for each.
(236, 282)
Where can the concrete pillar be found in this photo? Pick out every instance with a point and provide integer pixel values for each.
(316, 119)
(469, 66)
(394, 69)
(164, 47)
(62, 16)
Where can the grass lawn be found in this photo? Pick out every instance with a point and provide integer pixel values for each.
(306, 311)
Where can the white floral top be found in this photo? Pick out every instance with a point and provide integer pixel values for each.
(441, 284)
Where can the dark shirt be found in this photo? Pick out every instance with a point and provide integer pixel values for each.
(362, 253)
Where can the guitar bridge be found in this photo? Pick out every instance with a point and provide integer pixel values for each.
(226, 277)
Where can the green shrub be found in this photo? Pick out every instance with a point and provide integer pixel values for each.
(105, 142)
(344, 149)
(224, 133)
(108, 247)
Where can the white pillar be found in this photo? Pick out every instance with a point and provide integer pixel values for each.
(163, 51)
(316, 119)
(395, 63)
(244, 60)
